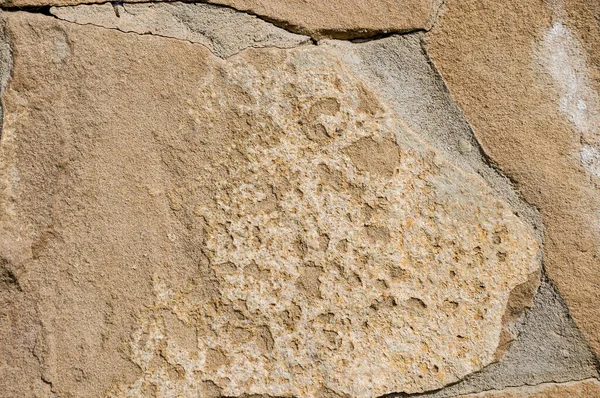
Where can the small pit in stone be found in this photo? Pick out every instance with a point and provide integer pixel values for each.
(264, 339)
(325, 106)
(415, 303)
(308, 284)
(377, 157)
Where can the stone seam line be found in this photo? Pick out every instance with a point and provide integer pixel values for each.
(349, 35)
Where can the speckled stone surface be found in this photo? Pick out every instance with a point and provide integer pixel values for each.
(262, 225)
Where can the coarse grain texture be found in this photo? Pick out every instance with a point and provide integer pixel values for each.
(261, 225)
(527, 75)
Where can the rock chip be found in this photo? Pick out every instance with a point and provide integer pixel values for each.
(188, 226)
(579, 389)
(527, 75)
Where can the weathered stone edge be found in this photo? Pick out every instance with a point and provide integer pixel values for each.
(338, 34)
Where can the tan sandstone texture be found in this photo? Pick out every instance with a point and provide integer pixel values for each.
(178, 225)
(339, 19)
(527, 75)
(579, 389)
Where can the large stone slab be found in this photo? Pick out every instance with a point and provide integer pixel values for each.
(527, 76)
(340, 19)
(185, 225)
(580, 389)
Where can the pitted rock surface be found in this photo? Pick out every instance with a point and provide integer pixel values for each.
(262, 225)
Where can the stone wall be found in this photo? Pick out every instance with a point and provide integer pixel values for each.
(251, 198)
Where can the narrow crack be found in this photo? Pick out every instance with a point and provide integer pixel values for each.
(46, 10)
(368, 35)
(132, 32)
(152, 34)
(336, 34)
(385, 35)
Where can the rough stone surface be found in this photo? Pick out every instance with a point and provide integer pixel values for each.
(275, 229)
(341, 19)
(399, 71)
(548, 349)
(579, 389)
(222, 30)
(527, 75)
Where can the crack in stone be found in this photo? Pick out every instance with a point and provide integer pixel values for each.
(337, 34)
(132, 32)
(47, 11)
(368, 36)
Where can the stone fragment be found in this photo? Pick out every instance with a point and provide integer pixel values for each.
(548, 346)
(341, 19)
(224, 31)
(189, 226)
(527, 75)
(579, 389)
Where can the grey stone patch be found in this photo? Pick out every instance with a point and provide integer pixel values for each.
(6, 63)
(224, 31)
(548, 346)
(548, 349)
(399, 70)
